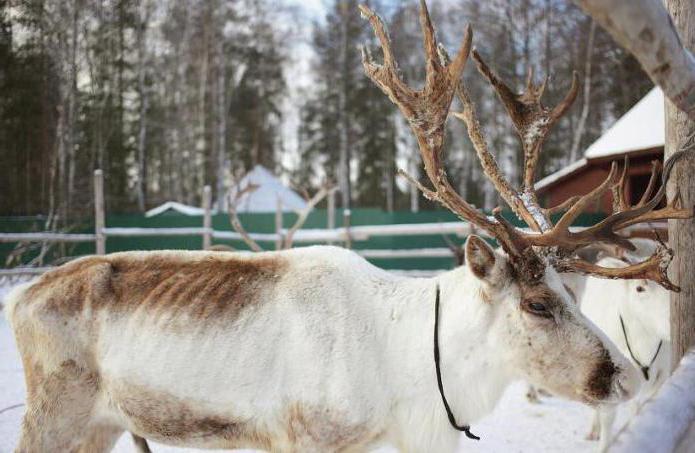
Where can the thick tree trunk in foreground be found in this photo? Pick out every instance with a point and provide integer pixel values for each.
(680, 133)
(645, 29)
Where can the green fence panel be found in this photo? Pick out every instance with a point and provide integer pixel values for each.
(261, 223)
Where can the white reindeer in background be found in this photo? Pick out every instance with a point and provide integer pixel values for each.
(634, 314)
(314, 349)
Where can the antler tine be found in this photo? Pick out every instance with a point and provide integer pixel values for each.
(430, 43)
(620, 203)
(386, 76)
(656, 166)
(568, 100)
(571, 215)
(654, 268)
(564, 206)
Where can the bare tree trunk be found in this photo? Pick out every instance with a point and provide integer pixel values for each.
(344, 158)
(201, 139)
(388, 182)
(141, 185)
(586, 102)
(548, 11)
(72, 111)
(680, 134)
(644, 28)
(389, 172)
(221, 123)
(414, 192)
(178, 152)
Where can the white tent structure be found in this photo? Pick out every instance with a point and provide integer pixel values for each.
(265, 197)
(174, 206)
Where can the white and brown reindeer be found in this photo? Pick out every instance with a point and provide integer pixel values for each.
(314, 349)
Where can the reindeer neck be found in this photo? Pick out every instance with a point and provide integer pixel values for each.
(473, 374)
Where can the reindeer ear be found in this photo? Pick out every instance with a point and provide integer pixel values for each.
(480, 257)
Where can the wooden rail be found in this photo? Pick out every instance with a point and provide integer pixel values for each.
(666, 423)
(46, 236)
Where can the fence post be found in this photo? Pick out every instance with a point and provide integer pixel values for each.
(346, 225)
(99, 216)
(278, 223)
(331, 212)
(207, 217)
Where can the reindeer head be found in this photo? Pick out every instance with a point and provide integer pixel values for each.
(541, 336)
(543, 333)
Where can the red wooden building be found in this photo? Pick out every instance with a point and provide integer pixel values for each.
(639, 134)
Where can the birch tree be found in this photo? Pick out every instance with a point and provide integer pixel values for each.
(645, 28)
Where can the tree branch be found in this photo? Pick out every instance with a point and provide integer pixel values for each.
(645, 28)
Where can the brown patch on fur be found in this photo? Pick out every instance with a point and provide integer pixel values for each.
(65, 288)
(161, 416)
(59, 402)
(202, 286)
(600, 381)
(58, 382)
(324, 428)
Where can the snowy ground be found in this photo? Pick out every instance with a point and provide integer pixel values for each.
(515, 426)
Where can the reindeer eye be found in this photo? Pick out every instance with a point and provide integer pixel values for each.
(536, 308)
(640, 289)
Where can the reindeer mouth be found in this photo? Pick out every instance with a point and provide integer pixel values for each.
(615, 394)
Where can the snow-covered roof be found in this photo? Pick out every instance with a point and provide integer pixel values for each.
(264, 198)
(174, 206)
(642, 127)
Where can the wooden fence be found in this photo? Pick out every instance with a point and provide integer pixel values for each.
(666, 423)
(345, 234)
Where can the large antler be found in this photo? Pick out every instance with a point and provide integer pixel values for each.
(427, 109)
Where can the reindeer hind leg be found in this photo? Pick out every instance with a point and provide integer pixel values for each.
(59, 405)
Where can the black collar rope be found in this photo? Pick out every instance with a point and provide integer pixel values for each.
(644, 369)
(465, 428)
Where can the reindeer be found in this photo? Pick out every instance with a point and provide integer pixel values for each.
(313, 349)
(634, 314)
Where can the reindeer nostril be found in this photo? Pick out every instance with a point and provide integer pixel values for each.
(601, 380)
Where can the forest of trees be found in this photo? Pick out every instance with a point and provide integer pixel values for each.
(166, 96)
